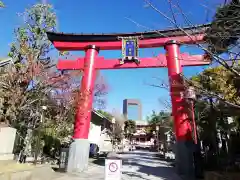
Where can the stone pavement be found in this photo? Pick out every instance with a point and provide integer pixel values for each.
(146, 165)
(137, 165)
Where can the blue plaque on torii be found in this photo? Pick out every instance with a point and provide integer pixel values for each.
(129, 49)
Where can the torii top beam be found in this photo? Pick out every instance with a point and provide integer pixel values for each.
(151, 39)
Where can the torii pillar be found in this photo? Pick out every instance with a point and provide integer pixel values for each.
(79, 149)
(181, 111)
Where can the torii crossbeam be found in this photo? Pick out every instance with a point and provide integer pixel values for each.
(151, 62)
(173, 60)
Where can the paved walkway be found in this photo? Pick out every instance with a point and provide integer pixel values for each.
(146, 166)
(138, 165)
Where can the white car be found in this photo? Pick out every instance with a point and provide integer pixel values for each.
(100, 143)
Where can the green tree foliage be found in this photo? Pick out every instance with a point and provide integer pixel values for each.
(25, 83)
(218, 87)
(31, 38)
(217, 99)
(217, 82)
(117, 131)
(129, 127)
(106, 114)
(217, 94)
(1, 4)
(164, 122)
(223, 37)
(32, 82)
(224, 30)
(161, 119)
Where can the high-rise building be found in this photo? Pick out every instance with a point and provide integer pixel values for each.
(132, 109)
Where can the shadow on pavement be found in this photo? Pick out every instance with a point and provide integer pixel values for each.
(136, 152)
(55, 169)
(100, 161)
(163, 172)
(134, 175)
(156, 156)
(145, 165)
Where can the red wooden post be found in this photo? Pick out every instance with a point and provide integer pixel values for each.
(182, 125)
(84, 104)
(79, 148)
(183, 130)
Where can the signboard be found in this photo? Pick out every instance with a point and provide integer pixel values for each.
(129, 49)
(113, 169)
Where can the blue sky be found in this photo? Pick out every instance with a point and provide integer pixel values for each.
(95, 16)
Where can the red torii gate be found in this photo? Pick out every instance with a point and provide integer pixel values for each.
(174, 60)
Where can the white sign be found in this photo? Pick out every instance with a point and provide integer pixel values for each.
(113, 169)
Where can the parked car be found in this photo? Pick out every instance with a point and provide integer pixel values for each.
(101, 144)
